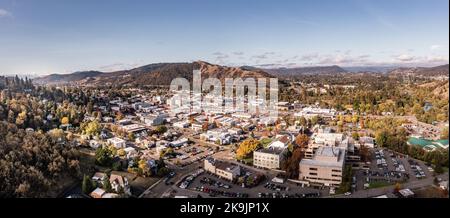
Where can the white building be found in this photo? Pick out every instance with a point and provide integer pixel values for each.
(273, 156)
(117, 142)
(326, 166)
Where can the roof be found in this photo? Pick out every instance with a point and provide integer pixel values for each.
(271, 150)
(98, 191)
(326, 157)
(117, 178)
(406, 192)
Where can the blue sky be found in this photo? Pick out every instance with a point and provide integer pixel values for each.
(48, 36)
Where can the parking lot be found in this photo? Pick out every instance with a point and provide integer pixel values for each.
(213, 186)
(388, 168)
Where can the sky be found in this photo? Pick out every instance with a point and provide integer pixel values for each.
(63, 36)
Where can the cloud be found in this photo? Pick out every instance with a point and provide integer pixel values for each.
(5, 13)
(220, 57)
(439, 58)
(435, 47)
(238, 53)
(405, 58)
(309, 57)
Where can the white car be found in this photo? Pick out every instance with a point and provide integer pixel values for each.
(347, 193)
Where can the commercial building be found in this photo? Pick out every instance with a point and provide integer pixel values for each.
(273, 156)
(222, 169)
(326, 166)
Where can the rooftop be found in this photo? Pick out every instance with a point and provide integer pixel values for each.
(327, 157)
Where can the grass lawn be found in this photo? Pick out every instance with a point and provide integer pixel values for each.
(248, 160)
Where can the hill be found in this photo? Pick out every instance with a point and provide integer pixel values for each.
(152, 74)
(293, 72)
(437, 71)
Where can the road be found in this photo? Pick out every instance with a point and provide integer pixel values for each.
(389, 189)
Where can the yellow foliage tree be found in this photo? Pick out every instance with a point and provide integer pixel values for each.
(65, 121)
(247, 147)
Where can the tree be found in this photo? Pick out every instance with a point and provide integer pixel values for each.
(444, 133)
(161, 129)
(247, 147)
(92, 128)
(107, 185)
(355, 135)
(142, 164)
(87, 186)
(381, 138)
(103, 157)
(65, 121)
(302, 140)
(397, 188)
(292, 163)
(119, 116)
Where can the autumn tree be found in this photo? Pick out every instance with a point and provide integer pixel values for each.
(246, 148)
(302, 140)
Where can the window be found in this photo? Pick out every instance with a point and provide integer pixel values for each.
(337, 171)
(313, 174)
(313, 169)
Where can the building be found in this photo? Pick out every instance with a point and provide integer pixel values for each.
(154, 119)
(273, 156)
(367, 141)
(119, 183)
(98, 193)
(310, 112)
(326, 166)
(222, 169)
(117, 142)
(406, 193)
(179, 142)
(99, 177)
(182, 124)
(329, 139)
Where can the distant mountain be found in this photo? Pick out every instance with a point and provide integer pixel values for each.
(292, 72)
(374, 69)
(441, 70)
(152, 74)
(66, 78)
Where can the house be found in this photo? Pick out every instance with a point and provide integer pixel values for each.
(130, 152)
(94, 144)
(325, 167)
(222, 169)
(117, 142)
(97, 193)
(99, 177)
(119, 183)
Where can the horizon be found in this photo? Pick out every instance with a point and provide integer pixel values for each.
(382, 69)
(48, 37)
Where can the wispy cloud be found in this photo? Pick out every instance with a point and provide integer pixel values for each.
(405, 58)
(435, 47)
(5, 13)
